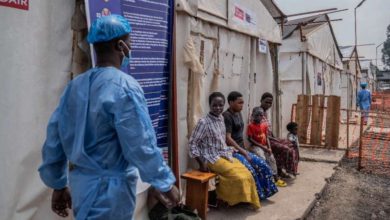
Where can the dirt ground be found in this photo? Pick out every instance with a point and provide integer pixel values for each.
(353, 195)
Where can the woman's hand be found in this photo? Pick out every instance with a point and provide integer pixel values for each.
(247, 157)
(203, 167)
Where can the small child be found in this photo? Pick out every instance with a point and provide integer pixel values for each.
(292, 127)
(257, 135)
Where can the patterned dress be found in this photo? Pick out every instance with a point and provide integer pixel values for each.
(282, 149)
(259, 169)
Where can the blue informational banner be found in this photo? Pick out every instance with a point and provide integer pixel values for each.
(151, 40)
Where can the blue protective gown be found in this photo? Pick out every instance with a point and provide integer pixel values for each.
(364, 99)
(103, 129)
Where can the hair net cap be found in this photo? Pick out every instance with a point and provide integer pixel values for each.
(107, 28)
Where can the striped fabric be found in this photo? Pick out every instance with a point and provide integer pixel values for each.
(208, 140)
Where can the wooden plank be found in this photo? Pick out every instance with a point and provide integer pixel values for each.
(315, 135)
(198, 176)
(309, 146)
(332, 122)
(321, 114)
(302, 117)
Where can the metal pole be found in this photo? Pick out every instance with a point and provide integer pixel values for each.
(361, 141)
(356, 58)
(312, 12)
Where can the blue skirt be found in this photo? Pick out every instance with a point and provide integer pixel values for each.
(262, 174)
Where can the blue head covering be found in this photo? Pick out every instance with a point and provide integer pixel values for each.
(363, 84)
(107, 28)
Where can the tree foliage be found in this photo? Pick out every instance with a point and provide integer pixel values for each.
(386, 50)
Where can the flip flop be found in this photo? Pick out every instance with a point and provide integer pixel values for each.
(281, 183)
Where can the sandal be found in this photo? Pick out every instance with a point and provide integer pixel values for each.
(281, 183)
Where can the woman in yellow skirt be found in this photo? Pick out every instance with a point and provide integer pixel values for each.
(208, 146)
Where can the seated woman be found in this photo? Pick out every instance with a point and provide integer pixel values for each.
(207, 145)
(282, 149)
(260, 170)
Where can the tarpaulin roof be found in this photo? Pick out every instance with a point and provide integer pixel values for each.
(316, 37)
(347, 51)
(273, 9)
(293, 25)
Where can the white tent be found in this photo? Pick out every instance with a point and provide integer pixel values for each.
(352, 71)
(217, 49)
(310, 61)
(36, 64)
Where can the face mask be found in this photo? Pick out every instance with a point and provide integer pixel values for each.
(126, 59)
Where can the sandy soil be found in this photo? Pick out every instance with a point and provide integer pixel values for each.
(353, 195)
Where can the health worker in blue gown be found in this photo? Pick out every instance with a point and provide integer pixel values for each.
(101, 133)
(364, 101)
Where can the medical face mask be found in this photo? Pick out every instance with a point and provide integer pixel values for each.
(126, 59)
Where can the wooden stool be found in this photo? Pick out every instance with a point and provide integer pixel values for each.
(197, 190)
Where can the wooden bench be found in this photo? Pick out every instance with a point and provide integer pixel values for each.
(197, 190)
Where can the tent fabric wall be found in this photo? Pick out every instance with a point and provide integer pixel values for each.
(222, 12)
(315, 51)
(35, 53)
(321, 79)
(36, 64)
(322, 45)
(290, 72)
(230, 54)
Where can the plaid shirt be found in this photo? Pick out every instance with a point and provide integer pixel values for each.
(208, 140)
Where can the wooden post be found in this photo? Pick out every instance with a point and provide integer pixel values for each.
(293, 111)
(332, 122)
(361, 142)
(302, 116)
(317, 113)
(321, 116)
(383, 102)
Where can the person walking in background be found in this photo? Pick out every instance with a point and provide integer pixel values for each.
(102, 129)
(363, 101)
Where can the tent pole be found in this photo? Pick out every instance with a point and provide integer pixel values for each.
(174, 136)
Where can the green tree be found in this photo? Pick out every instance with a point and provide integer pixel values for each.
(386, 50)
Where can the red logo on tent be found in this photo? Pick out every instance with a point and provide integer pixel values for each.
(19, 4)
(238, 13)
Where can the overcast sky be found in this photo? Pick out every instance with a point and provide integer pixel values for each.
(373, 17)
